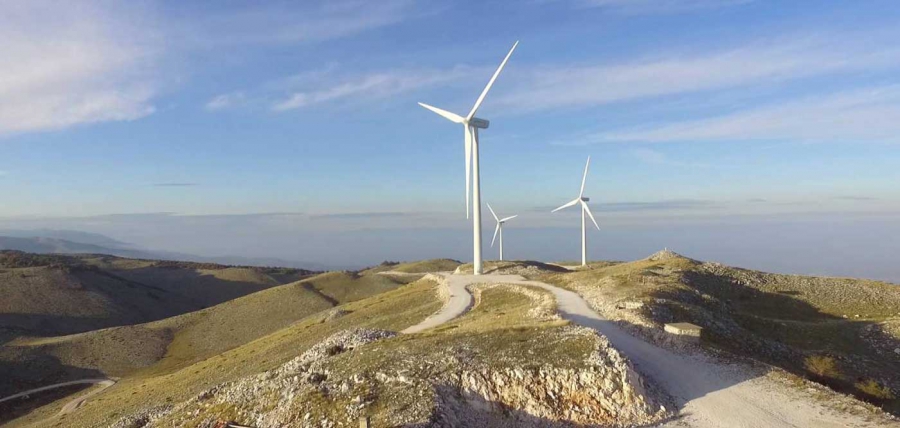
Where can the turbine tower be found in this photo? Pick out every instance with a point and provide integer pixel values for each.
(499, 229)
(584, 210)
(471, 125)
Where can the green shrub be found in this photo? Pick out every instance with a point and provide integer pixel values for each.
(874, 389)
(822, 366)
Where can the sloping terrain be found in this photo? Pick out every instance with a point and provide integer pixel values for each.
(49, 295)
(171, 343)
(835, 331)
(502, 364)
(154, 387)
(51, 245)
(421, 266)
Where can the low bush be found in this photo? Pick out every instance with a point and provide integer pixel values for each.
(874, 389)
(822, 366)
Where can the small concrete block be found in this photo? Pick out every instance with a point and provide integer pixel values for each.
(687, 330)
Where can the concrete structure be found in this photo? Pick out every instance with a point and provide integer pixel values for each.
(686, 330)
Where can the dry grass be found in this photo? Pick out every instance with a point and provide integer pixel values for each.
(167, 345)
(822, 366)
(422, 266)
(392, 310)
(779, 319)
(875, 390)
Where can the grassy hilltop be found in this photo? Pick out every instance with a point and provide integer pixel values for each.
(842, 332)
(292, 348)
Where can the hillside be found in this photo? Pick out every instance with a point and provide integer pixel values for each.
(50, 241)
(422, 266)
(325, 350)
(158, 385)
(480, 370)
(165, 345)
(49, 295)
(838, 331)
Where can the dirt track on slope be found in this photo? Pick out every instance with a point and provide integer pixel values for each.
(709, 394)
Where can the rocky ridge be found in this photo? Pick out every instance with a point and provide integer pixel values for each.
(454, 389)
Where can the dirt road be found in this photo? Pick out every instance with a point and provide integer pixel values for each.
(73, 404)
(708, 394)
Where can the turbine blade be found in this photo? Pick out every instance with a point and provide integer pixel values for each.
(567, 205)
(508, 218)
(585, 207)
(468, 168)
(490, 83)
(496, 229)
(492, 212)
(584, 177)
(446, 114)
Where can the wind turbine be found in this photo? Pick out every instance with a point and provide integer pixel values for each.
(499, 229)
(471, 125)
(584, 210)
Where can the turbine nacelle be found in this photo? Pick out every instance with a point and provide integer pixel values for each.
(479, 123)
(585, 199)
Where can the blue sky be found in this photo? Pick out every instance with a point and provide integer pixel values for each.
(693, 111)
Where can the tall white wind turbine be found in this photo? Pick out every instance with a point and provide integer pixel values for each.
(499, 229)
(471, 125)
(581, 199)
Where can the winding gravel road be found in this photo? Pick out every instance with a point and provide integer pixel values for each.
(708, 394)
(73, 404)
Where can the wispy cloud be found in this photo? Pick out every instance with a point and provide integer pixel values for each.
(296, 22)
(655, 157)
(176, 184)
(367, 87)
(224, 101)
(642, 7)
(672, 204)
(68, 63)
(360, 215)
(775, 61)
(867, 115)
(855, 198)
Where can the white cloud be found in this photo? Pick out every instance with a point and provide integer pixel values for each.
(865, 115)
(293, 22)
(639, 7)
(224, 101)
(777, 61)
(376, 85)
(655, 157)
(649, 156)
(70, 63)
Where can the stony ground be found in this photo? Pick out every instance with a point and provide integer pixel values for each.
(474, 374)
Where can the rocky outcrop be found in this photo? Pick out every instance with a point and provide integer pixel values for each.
(449, 389)
(606, 392)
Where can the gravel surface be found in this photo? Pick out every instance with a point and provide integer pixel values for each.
(708, 393)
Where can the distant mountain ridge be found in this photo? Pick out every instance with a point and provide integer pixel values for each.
(45, 241)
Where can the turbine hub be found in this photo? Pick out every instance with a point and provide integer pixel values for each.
(479, 123)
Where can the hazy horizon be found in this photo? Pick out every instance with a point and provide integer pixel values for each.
(757, 133)
(821, 244)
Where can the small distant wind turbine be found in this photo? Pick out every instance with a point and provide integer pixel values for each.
(471, 125)
(584, 209)
(499, 229)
